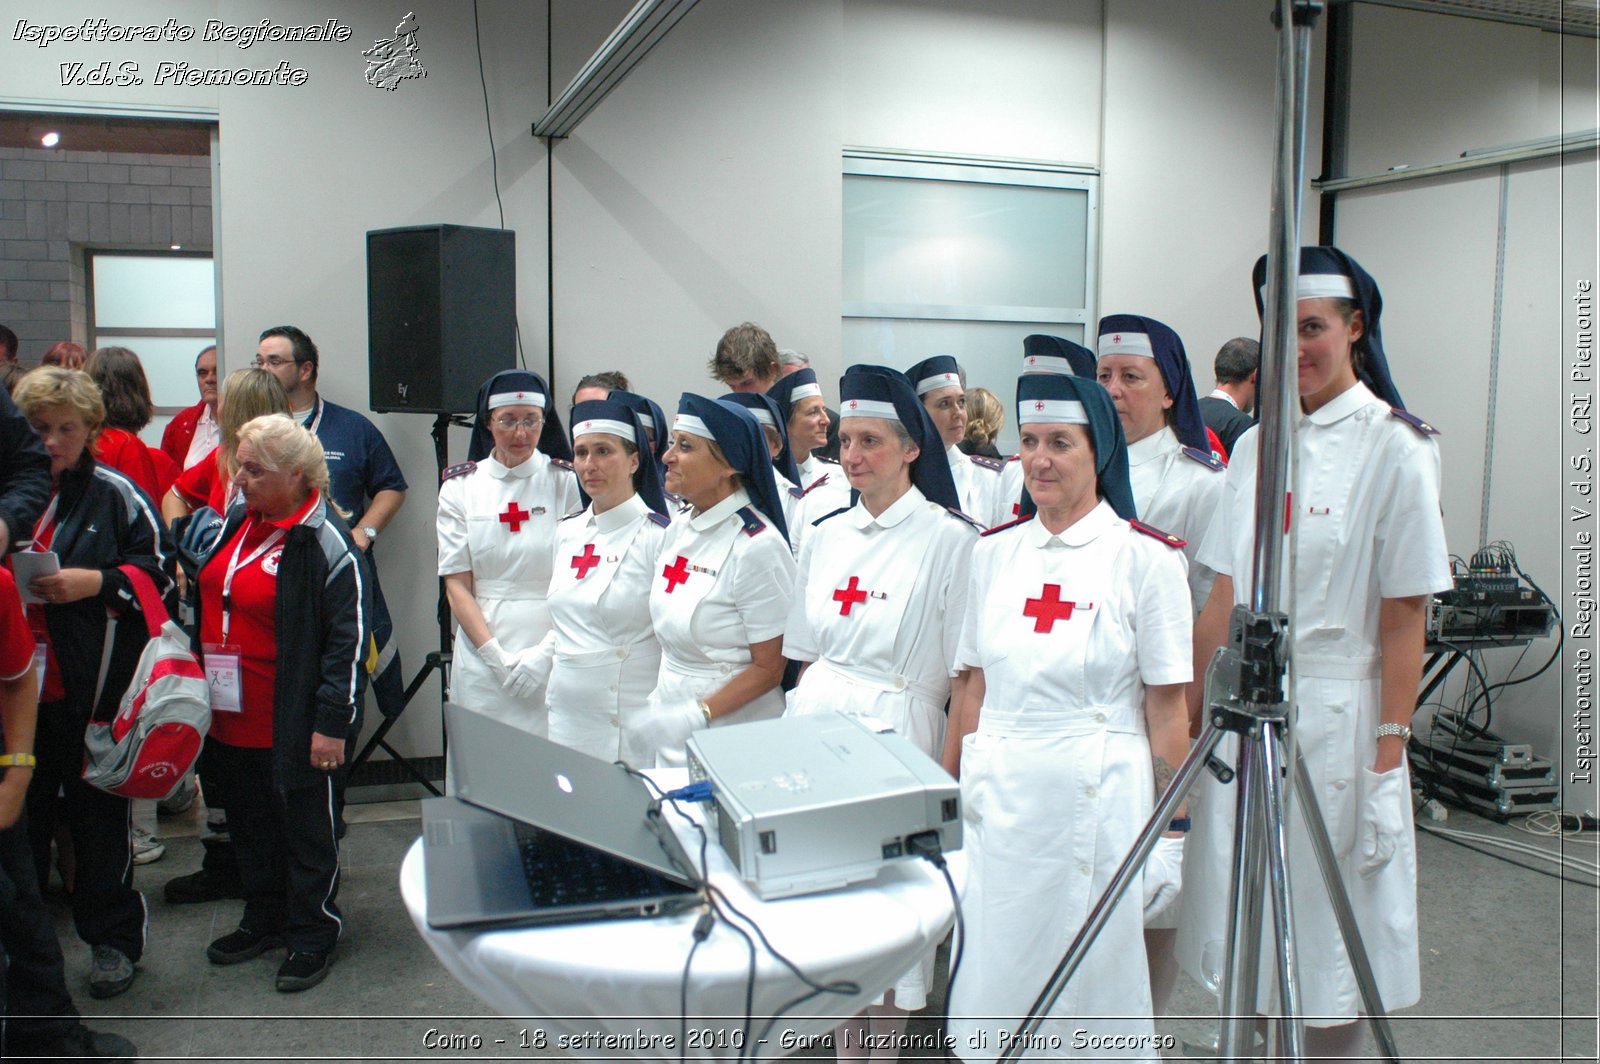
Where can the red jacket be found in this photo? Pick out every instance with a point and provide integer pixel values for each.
(179, 432)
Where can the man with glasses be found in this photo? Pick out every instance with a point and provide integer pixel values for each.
(193, 432)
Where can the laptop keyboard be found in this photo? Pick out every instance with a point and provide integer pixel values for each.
(562, 872)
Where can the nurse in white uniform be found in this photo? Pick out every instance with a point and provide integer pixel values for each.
(823, 486)
(1041, 354)
(497, 527)
(602, 651)
(938, 383)
(720, 594)
(1077, 632)
(1176, 479)
(879, 599)
(1369, 550)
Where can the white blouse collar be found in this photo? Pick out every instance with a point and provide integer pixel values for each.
(726, 508)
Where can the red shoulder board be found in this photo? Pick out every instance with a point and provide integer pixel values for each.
(798, 493)
(457, 470)
(561, 463)
(994, 465)
(1205, 458)
(973, 521)
(1155, 533)
(1015, 458)
(814, 485)
(1009, 524)
(752, 520)
(1422, 427)
(661, 519)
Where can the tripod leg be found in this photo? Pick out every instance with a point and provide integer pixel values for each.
(1291, 1023)
(1317, 830)
(1242, 966)
(1126, 874)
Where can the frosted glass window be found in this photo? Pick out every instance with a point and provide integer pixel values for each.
(154, 292)
(168, 364)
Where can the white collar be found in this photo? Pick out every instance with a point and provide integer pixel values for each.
(521, 471)
(1158, 443)
(1342, 405)
(706, 519)
(897, 511)
(205, 416)
(955, 454)
(1086, 529)
(621, 515)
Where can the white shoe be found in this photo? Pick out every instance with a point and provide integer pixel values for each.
(147, 849)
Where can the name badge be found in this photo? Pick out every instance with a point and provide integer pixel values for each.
(40, 657)
(223, 677)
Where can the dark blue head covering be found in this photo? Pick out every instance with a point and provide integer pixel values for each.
(647, 478)
(552, 441)
(940, 371)
(931, 470)
(743, 443)
(646, 408)
(1105, 432)
(783, 391)
(1044, 354)
(1134, 334)
(1317, 261)
(756, 401)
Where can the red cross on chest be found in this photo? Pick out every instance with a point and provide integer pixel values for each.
(585, 561)
(676, 573)
(849, 595)
(514, 516)
(1048, 608)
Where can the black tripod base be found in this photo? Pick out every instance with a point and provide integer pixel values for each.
(437, 661)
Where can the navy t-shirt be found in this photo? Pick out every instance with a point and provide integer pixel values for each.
(360, 463)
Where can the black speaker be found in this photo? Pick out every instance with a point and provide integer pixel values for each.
(441, 315)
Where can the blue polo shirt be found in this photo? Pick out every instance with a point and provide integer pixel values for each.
(360, 463)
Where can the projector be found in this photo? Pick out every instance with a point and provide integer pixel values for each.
(815, 802)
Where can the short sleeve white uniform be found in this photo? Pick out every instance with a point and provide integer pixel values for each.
(978, 487)
(824, 489)
(1056, 780)
(1365, 512)
(1176, 494)
(499, 524)
(606, 654)
(721, 583)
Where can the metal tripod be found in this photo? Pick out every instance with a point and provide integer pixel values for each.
(1245, 684)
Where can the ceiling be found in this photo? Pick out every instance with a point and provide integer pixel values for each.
(20, 129)
(1580, 17)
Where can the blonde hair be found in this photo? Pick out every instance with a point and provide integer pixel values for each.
(52, 386)
(282, 443)
(246, 395)
(986, 416)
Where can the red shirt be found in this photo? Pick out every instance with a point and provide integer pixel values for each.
(202, 484)
(16, 641)
(125, 452)
(252, 620)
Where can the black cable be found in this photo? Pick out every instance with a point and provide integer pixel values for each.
(494, 159)
(702, 928)
(1507, 860)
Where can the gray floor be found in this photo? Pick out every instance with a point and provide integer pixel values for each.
(1509, 966)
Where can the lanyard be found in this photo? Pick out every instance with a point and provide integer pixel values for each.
(315, 418)
(44, 530)
(235, 565)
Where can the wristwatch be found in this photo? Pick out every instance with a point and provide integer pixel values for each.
(705, 708)
(1403, 731)
(18, 761)
(371, 533)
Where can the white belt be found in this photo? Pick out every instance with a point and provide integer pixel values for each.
(590, 659)
(1337, 668)
(1089, 720)
(886, 681)
(701, 669)
(505, 589)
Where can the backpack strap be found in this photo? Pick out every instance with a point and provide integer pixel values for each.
(150, 604)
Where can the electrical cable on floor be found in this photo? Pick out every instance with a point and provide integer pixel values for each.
(1562, 824)
(1501, 857)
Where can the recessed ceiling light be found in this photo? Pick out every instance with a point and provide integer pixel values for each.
(50, 139)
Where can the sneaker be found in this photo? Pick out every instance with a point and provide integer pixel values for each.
(147, 849)
(302, 971)
(204, 885)
(180, 800)
(240, 945)
(75, 1043)
(111, 973)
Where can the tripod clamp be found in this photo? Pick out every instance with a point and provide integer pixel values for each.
(1245, 683)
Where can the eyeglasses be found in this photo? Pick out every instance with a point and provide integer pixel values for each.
(511, 424)
(274, 362)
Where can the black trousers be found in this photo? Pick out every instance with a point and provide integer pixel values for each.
(287, 853)
(34, 1003)
(106, 910)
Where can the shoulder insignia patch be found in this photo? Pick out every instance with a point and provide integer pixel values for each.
(814, 485)
(752, 520)
(830, 513)
(1175, 542)
(822, 458)
(561, 463)
(1422, 427)
(973, 521)
(993, 465)
(661, 519)
(798, 493)
(1205, 458)
(575, 513)
(1015, 458)
(1008, 524)
(457, 470)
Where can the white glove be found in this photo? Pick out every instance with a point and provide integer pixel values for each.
(1163, 876)
(669, 726)
(529, 672)
(492, 654)
(1385, 800)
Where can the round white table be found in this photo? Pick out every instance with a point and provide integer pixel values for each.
(611, 989)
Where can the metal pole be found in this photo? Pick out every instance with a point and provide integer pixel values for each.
(1241, 967)
(1276, 847)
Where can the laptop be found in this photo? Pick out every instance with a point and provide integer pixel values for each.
(539, 833)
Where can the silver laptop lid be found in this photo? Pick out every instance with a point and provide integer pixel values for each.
(520, 775)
